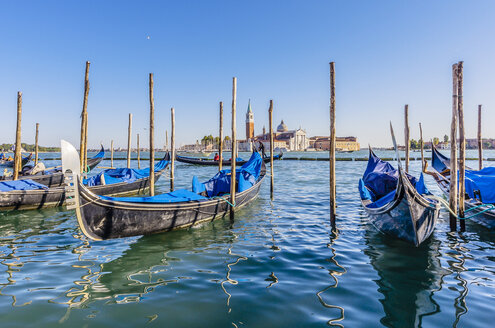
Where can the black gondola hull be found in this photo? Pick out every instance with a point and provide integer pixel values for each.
(102, 219)
(405, 218)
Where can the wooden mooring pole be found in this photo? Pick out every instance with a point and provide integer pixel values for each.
(138, 152)
(422, 148)
(17, 153)
(462, 146)
(220, 136)
(111, 153)
(152, 139)
(234, 150)
(36, 144)
(84, 117)
(406, 134)
(129, 130)
(172, 148)
(480, 141)
(86, 142)
(333, 202)
(270, 121)
(453, 151)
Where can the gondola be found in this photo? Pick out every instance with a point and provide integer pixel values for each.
(480, 188)
(209, 161)
(24, 161)
(102, 217)
(115, 182)
(54, 177)
(396, 202)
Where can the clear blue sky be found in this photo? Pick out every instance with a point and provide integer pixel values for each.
(387, 54)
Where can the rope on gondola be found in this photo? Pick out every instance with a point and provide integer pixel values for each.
(446, 205)
(233, 205)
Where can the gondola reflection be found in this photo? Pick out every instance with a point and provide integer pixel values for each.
(408, 277)
(335, 274)
(146, 265)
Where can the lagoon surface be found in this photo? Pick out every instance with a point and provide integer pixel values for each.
(278, 264)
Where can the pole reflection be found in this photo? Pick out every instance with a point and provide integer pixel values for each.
(334, 235)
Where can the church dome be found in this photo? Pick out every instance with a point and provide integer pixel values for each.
(282, 127)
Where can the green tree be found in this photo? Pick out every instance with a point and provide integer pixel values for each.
(445, 138)
(413, 144)
(435, 141)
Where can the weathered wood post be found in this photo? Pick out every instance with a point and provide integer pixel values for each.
(138, 152)
(406, 134)
(220, 134)
(480, 141)
(152, 140)
(111, 153)
(333, 205)
(129, 130)
(234, 149)
(453, 152)
(172, 147)
(17, 152)
(270, 121)
(36, 144)
(86, 142)
(462, 146)
(82, 151)
(422, 148)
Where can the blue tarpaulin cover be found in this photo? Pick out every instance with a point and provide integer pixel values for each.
(112, 176)
(25, 184)
(249, 173)
(246, 175)
(482, 181)
(379, 182)
(181, 195)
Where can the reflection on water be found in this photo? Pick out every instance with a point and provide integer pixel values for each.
(277, 264)
(409, 278)
(334, 274)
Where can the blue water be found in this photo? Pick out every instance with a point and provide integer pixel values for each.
(278, 264)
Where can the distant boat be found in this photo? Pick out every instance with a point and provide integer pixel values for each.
(25, 160)
(211, 162)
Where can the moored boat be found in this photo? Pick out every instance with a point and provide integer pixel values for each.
(101, 217)
(28, 194)
(396, 202)
(479, 199)
(211, 162)
(25, 160)
(54, 177)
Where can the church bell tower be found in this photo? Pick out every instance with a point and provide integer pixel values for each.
(249, 122)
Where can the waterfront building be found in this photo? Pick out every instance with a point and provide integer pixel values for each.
(341, 143)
